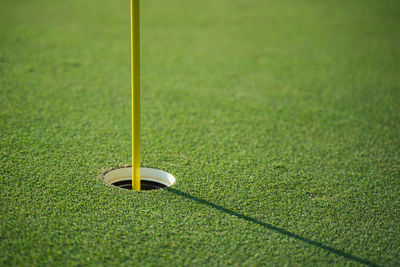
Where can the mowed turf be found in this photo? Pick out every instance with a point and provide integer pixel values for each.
(279, 119)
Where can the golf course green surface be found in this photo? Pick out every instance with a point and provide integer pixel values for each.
(279, 119)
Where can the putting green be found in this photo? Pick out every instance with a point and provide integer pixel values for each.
(279, 119)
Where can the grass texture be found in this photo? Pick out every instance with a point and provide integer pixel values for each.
(279, 119)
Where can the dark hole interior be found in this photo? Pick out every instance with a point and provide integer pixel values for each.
(144, 185)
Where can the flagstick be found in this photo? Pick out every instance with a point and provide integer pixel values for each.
(135, 68)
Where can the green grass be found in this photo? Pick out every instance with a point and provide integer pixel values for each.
(279, 119)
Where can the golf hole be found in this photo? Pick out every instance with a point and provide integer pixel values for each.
(150, 179)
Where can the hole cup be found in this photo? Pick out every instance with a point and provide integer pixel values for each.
(150, 179)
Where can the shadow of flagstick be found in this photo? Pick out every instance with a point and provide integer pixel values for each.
(274, 228)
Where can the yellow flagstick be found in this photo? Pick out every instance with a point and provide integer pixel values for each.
(135, 68)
